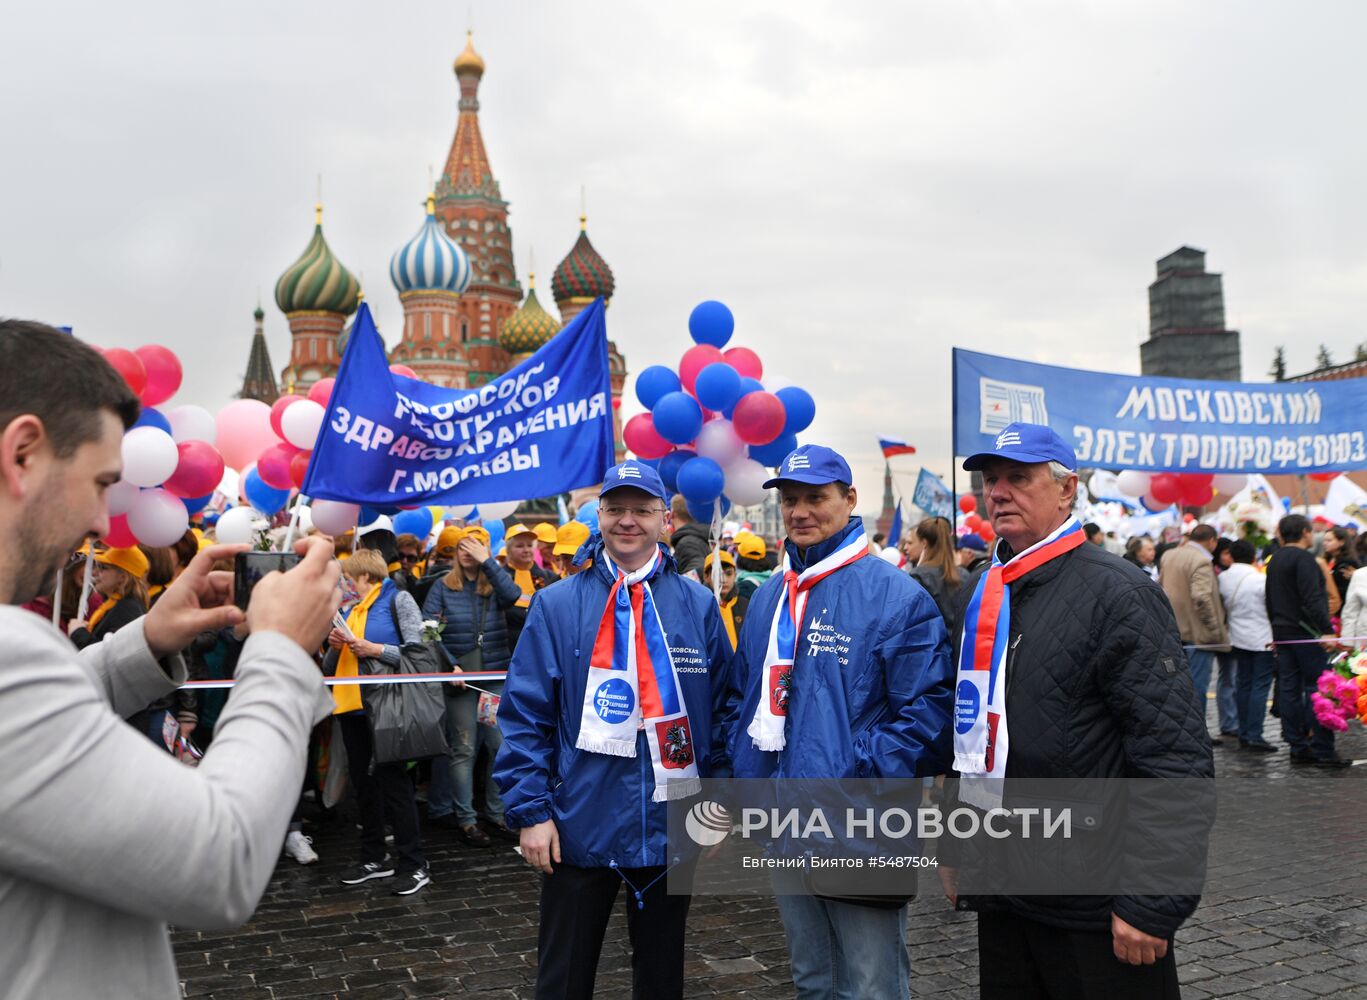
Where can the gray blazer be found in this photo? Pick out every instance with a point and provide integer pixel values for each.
(104, 837)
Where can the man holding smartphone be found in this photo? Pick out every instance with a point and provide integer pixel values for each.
(106, 838)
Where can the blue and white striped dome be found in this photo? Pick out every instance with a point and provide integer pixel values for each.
(430, 261)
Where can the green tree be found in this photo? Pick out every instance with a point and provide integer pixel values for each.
(1278, 369)
(1361, 353)
(1323, 359)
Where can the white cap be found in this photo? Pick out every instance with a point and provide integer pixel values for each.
(381, 523)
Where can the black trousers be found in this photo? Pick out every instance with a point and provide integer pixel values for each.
(1020, 959)
(382, 790)
(575, 906)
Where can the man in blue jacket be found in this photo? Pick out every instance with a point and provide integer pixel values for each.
(869, 697)
(613, 707)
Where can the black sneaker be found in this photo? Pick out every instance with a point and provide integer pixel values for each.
(368, 871)
(1302, 757)
(1257, 746)
(412, 882)
(1335, 761)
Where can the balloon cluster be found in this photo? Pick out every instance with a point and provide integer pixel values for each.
(972, 522)
(1160, 490)
(716, 423)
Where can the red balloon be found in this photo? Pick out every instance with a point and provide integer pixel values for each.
(274, 465)
(198, 472)
(695, 359)
(745, 361)
(278, 409)
(164, 373)
(299, 466)
(403, 370)
(616, 402)
(968, 503)
(322, 390)
(1165, 487)
(643, 439)
(1195, 479)
(130, 366)
(119, 535)
(973, 521)
(759, 417)
(1198, 495)
(985, 531)
(1323, 477)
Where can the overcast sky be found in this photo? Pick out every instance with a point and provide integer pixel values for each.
(865, 184)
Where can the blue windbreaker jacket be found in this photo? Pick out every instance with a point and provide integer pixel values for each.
(873, 687)
(600, 803)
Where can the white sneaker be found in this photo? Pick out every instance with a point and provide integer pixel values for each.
(300, 848)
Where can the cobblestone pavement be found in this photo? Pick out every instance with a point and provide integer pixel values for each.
(1284, 916)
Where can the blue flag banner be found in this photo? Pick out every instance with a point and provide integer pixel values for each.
(542, 428)
(1154, 423)
(895, 530)
(933, 496)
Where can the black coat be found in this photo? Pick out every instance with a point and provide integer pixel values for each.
(1098, 687)
(692, 542)
(1297, 599)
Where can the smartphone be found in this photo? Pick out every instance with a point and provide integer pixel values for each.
(249, 567)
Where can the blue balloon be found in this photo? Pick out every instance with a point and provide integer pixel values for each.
(587, 514)
(718, 386)
(799, 406)
(1286, 504)
(496, 529)
(773, 453)
(701, 480)
(654, 382)
(413, 522)
(702, 512)
(266, 499)
(711, 322)
(194, 505)
(678, 417)
(152, 418)
(747, 386)
(670, 466)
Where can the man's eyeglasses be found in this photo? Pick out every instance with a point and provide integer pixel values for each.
(639, 513)
(408, 557)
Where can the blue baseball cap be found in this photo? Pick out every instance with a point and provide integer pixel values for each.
(636, 475)
(1026, 443)
(813, 464)
(974, 542)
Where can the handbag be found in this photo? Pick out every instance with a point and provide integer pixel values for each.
(407, 721)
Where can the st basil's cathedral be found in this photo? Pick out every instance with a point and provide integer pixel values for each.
(466, 320)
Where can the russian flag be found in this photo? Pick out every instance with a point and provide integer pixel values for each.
(891, 447)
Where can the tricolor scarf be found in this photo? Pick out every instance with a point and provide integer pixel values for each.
(632, 685)
(771, 714)
(981, 737)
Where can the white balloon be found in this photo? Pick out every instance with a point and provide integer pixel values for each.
(192, 423)
(230, 484)
(238, 526)
(717, 440)
(1133, 483)
(745, 482)
(119, 497)
(305, 521)
(1229, 483)
(498, 511)
(300, 422)
(158, 518)
(149, 456)
(890, 555)
(459, 512)
(332, 517)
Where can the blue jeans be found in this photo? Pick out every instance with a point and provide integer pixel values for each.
(843, 951)
(1226, 697)
(452, 789)
(1256, 668)
(1201, 661)
(1299, 666)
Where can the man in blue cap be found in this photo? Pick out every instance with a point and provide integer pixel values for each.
(613, 707)
(1088, 649)
(870, 700)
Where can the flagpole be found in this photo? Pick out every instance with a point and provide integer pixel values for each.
(86, 586)
(715, 582)
(57, 600)
(953, 428)
(294, 523)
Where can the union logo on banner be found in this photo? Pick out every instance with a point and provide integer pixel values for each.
(1003, 403)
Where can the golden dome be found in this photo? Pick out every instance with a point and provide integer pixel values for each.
(469, 61)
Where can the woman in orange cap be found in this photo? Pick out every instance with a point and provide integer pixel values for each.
(121, 578)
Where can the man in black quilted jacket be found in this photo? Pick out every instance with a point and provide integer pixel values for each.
(1085, 679)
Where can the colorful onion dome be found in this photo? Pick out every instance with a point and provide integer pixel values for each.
(530, 327)
(469, 61)
(583, 274)
(431, 260)
(317, 281)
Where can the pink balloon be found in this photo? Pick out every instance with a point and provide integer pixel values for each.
(759, 417)
(403, 370)
(164, 373)
(745, 361)
(274, 465)
(199, 470)
(244, 432)
(695, 359)
(322, 390)
(119, 535)
(278, 409)
(643, 439)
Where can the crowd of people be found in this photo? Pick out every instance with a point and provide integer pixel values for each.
(641, 658)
